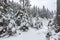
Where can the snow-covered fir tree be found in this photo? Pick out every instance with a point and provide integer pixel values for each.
(16, 18)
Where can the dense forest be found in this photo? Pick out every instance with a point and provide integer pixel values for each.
(21, 17)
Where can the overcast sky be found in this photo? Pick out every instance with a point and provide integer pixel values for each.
(50, 4)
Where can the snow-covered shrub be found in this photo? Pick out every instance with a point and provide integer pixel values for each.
(37, 23)
(24, 24)
(24, 28)
(49, 34)
(11, 31)
(3, 30)
(11, 27)
(18, 22)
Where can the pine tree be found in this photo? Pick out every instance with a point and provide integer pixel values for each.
(4, 5)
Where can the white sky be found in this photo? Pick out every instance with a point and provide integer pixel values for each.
(50, 4)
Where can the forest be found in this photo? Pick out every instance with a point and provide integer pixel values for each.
(20, 19)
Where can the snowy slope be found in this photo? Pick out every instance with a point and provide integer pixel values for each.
(34, 34)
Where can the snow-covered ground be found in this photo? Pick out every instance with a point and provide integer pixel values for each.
(34, 34)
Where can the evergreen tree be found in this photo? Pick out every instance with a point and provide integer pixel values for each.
(4, 5)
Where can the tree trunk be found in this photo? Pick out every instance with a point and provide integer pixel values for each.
(58, 12)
